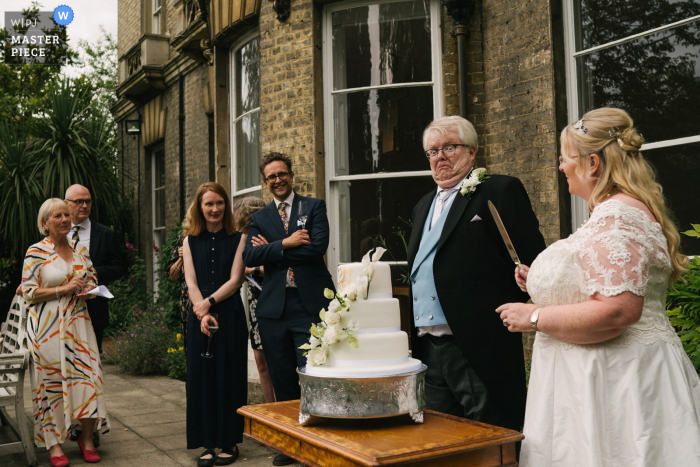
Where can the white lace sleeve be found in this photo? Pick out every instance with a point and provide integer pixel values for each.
(614, 256)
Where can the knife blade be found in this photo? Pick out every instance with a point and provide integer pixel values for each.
(504, 235)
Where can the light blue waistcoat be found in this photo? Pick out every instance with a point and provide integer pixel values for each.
(426, 305)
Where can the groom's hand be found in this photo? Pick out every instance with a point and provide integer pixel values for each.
(298, 238)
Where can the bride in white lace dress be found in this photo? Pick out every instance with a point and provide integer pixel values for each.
(610, 383)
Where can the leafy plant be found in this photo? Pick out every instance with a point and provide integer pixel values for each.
(142, 347)
(20, 190)
(169, 291)
(131, 294)
(693, 233)
(683, 306)
(176, 360)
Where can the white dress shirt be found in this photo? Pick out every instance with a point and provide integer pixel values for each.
(442, 329)
(83, 233)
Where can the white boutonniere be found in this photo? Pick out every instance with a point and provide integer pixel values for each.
(475, 179)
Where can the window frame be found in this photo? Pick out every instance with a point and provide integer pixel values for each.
(156, 229)
(579, 207)
(331, 182)
(233, 119)
(156, 16)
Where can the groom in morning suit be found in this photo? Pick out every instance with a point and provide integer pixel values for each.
(295, 272)
(460, 273)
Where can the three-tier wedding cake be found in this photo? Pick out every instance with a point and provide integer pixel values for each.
(360, 334)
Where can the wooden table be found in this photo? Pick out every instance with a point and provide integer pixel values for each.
(442, 440)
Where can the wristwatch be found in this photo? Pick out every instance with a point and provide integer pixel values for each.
(212, 300)
(534, 317)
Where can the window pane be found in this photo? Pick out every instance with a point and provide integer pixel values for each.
(247, 78)
(655, 78)
(380, 130)
(382, 44)
(604, 21)
(159, 163)
(374, 209)
(159, 207)
(248, 151)
(678, 168)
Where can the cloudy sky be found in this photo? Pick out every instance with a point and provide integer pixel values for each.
(89, 15)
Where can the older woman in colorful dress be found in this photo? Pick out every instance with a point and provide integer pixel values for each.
(610, 383)
(66, 371)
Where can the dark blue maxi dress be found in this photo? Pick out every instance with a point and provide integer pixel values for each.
(216, 387)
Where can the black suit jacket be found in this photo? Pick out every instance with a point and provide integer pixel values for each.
(310, 271)
(474, 275)
(106, 256)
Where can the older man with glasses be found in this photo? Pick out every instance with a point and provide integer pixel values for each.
(460, 273)
(105, 252)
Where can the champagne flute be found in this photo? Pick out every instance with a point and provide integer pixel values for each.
(212, 329)
(303, 214)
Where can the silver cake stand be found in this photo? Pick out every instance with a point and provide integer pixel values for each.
(378, 397)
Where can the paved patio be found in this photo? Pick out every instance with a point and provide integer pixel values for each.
(148, 427)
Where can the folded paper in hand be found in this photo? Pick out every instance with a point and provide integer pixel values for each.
(100, 291)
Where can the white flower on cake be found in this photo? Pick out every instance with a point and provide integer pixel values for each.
(352, 326)
(317, 356)
(476, 178)
(330, 335)
(363, 286)
(369, 268)
(349, 292)
(334, 306)
(332, 319)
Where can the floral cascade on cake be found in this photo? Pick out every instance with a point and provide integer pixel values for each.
(360, 334)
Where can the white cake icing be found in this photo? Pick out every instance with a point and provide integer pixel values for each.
(382, 347)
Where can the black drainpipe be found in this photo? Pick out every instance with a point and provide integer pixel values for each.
(181, 119)
(459, 11)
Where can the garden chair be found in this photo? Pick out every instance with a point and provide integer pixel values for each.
(14, 361)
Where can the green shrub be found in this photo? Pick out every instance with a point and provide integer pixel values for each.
(683, 309)
(176, 360)
(169, 291)
(142, 347)
(130, 293)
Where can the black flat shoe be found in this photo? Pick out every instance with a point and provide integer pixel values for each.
(230, 459)
(281, 459)
(207, 462)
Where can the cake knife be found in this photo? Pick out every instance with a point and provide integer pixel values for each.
(504, 235)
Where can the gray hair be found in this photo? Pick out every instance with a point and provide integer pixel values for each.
(444, 125)
(243, 210)
(47, 209)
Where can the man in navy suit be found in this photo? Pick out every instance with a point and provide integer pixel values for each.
(105, 253)
(295, 272)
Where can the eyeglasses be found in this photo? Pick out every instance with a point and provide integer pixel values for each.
(80, 202)
(447, 150)
(282, 176)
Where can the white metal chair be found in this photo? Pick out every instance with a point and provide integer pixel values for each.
(14, 361)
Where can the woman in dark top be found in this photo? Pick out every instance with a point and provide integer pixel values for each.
(216, 387)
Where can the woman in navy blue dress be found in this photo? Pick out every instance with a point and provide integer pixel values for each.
(216, 387)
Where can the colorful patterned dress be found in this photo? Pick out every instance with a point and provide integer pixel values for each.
(66, 372)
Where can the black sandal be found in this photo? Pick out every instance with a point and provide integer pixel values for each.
(207, 462)
(227, 460)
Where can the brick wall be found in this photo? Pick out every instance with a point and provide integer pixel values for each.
(519, 102)
(288, 109)
(129, 25)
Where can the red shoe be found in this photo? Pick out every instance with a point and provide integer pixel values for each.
(89, 456)
(59, 461)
